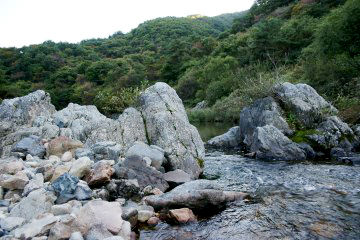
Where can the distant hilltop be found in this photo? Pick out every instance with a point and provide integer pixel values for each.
(195, 16)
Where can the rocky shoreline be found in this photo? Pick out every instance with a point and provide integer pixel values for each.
(295, 123)
(76, 174)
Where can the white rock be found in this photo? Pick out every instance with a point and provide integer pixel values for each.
(66, 157)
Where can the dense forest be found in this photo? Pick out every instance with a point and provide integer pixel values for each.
(228, 60)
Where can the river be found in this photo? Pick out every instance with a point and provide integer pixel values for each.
(289, 200)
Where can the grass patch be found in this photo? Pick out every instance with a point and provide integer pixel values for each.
(300, 136)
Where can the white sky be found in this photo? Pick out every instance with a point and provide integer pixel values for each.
(24, 22)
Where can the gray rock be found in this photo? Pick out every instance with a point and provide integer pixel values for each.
(98, 232)
(37, 227)
(65, 187)
(168, 127)
(262, 112)
(331, 133)
(141, 149)
(76, 236)
(30, 145)
(145, 213)
(36, 203)
(130, 214)
(13, 182)
(337, 153)
(10, 223)
(81, 167)
(176, 177)
(35, 183)
(309, 151)
(106, 150)
(201, 195)
(49, 131)
(125, 188)
(229, 139)
(304, 102)
(200, 105)
(61, 209)
(270, 143)
(135, 168)
(83, 191)
(84, 152)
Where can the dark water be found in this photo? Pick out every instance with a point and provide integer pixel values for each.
(290, 200)
(210, 130)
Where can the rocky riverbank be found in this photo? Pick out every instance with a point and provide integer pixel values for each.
(76, 174)
(295, 123)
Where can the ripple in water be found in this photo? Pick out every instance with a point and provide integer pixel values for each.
(290, 201)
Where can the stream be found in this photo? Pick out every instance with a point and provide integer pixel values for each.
(289, 200)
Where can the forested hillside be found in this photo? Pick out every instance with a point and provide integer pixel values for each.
(228, 60)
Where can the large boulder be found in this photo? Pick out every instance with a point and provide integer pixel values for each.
(262, 112)
(18, 115)
(168, 127)
(135, 167)
(304, 102)
(199, 195)
(270, 143)
(229, 139)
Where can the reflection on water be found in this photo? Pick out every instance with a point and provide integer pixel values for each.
(209, 130)
(299, 200)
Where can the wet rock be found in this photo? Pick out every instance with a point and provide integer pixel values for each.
(304, 102)
(100, 174)
(136, 168)
(59, 231)
(182, 215)
(81, 167)
(168, 127)
(65, 187)
(308, 150)
(30, 145)
(176, 177)
(13, 182)
(227, 140)
(106, 150)
(98, 212)
(62, 144)
(200, 195)
(141, 149)
(270, 143)
(36, 227)
(262, 112)
(11, 223)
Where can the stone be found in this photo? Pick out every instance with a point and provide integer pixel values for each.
(176, 177)
(270, 143)
(54, 158)
(130, 214)
(98, 232)
(304, 103)
(36, 203)
(168, 127)
(35, 183)
(114, 238)
(76, 236)
(128, 188)
(49, 131)
(199, 195)
(66, 157)
(135, 167)
(336, 153)
(10, 223)
(11, 166)
(84, 152)
(81, 167)
(83, 191)
(308, 150)
(106, 150)
(30, 145)
(262, 112)
(61, 209)
(58, 146)
(58, 171)
(13, 182)
(182, 215)
(36, 227)
(64, 187)
(145, 213)
(100, 174)
(200, 105)
(229, 139)
(59, 231)
(143, 150)
(97, 212)
(153, 221)
(101, 194)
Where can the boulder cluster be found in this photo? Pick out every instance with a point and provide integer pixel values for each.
(295, 123)
(76, 174)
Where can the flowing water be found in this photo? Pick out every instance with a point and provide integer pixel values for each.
(289, 200)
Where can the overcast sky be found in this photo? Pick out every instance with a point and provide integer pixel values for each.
(24, 22)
